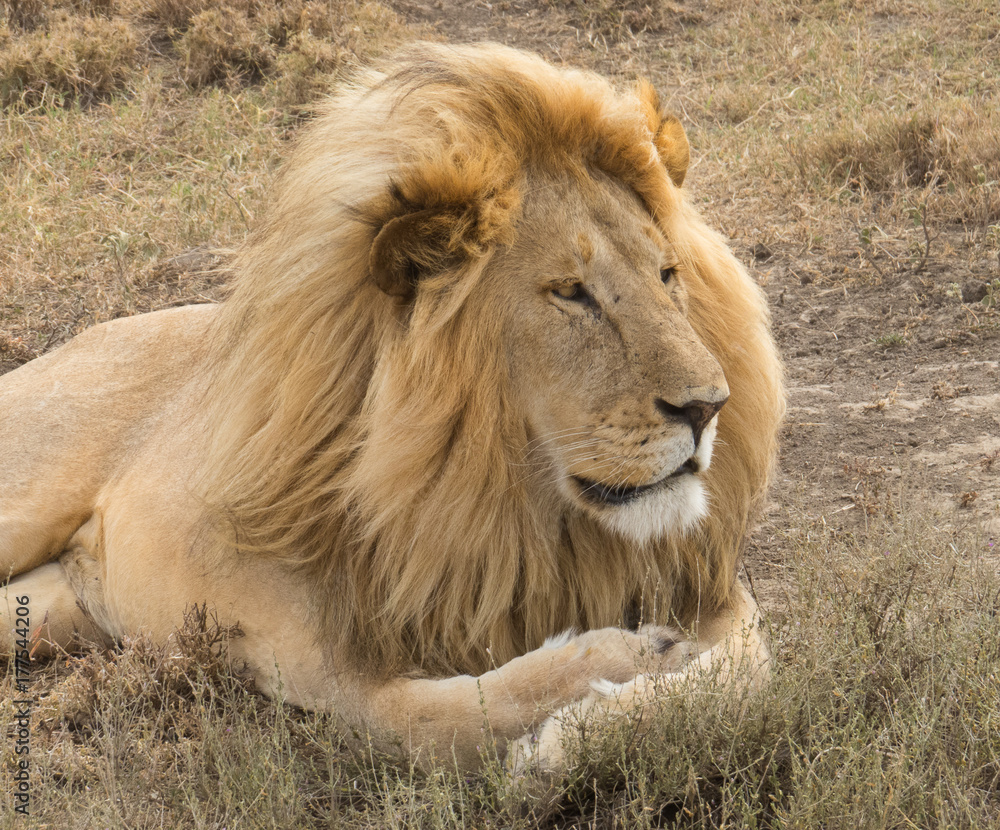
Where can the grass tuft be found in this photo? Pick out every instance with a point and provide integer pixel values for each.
(86, 58)
(952, 150)
(25, 14)
(621, 20)
(223, 47)
(172, 16)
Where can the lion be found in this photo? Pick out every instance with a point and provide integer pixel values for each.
(475, 438)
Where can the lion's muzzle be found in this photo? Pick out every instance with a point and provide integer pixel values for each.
(617, 495)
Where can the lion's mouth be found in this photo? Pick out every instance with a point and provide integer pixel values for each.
(599, 493)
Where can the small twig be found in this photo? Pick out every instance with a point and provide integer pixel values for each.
(239, 204)
(922, 213)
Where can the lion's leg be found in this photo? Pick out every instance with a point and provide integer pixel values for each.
(63, 600)
(730, 652)
(44, 603)
(26, 540)
(456, 719)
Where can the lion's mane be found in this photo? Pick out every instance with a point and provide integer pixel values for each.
(369, 440)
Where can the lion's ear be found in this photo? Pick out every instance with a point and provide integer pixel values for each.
(440, 215)
(668, 134)
(407, 247)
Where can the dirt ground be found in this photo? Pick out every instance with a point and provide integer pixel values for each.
(893, 365)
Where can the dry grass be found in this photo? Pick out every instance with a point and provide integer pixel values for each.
(221, 46)
(100, 190)
(86, 238)
(623, 20)
(68, 53)
(83, 58)
(952, 152)
(884, 712)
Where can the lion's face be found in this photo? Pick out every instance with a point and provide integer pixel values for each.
(620, 394)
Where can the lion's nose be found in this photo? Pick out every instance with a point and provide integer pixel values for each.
(695, 412)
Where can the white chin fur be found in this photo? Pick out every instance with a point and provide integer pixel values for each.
(674, 511)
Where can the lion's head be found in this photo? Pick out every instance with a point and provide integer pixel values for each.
(618, 393)
(473, 369)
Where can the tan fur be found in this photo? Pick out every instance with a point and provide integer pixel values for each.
(367, 454)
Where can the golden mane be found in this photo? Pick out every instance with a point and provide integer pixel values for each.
(366, 439)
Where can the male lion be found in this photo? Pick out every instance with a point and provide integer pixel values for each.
(484, 377)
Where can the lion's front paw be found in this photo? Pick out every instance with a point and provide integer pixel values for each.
(521, 755)
(670, 650)
(543, 752)
(618, 655)
(546, 751)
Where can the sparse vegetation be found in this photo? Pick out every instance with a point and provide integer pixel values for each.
(948, 152)
(884, 708)
(76, 58)
(620, 20)
(112, 160)
(893, 340)
(138, 139)
(991, 299)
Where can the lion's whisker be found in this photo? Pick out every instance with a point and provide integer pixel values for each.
(549, 437)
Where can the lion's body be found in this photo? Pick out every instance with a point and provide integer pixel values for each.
(449, 411)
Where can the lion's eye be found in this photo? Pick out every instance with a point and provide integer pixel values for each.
(667, 274)
(572, 292)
